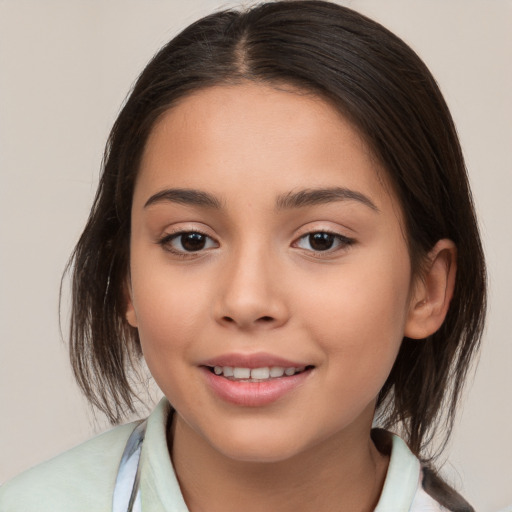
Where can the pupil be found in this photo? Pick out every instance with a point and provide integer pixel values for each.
(321, 241)
(193, 241)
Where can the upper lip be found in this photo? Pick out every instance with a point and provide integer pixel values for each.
(258, 360)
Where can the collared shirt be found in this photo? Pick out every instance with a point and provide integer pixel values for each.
(83, 479)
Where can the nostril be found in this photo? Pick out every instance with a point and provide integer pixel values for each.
(247, 323)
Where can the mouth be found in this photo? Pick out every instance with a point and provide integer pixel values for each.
(262, 374)
(253, 384)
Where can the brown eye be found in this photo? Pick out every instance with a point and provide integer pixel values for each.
(192, 241)
(321, 241)
(187, 242)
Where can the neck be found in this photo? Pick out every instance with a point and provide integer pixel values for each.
(344, 472)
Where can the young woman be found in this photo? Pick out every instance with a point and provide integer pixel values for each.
(284, 231)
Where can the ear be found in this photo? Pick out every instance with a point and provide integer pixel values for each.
(131, 317)
(432, 292)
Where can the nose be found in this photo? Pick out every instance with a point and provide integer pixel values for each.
(251, 295)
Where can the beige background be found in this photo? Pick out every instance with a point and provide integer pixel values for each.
(65, 67)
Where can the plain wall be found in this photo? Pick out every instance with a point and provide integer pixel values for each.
(65, 68)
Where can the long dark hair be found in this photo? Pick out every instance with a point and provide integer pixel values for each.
(381, 86)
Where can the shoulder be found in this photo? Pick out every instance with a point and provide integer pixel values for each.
(80, 479)
(411, 485)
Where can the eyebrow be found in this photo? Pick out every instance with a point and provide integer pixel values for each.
(184, 196)
(311, 197)
(288, 201)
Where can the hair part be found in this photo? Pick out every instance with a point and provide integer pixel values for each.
(377, 82)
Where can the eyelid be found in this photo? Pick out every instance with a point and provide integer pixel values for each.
(345, 242)
(165, 242)
(183, 227)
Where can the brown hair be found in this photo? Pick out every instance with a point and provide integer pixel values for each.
(383, 87)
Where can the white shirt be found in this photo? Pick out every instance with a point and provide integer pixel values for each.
(83, 479)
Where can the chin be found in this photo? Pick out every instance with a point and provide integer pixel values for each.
(252, 452)
(259, 444)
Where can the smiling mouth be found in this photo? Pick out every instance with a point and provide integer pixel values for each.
(265, 373)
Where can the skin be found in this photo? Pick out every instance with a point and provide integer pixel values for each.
(260, 286)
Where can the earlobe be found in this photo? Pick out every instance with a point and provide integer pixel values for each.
(433, 291)
(130, 315)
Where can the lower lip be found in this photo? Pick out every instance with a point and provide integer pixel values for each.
(253, 394)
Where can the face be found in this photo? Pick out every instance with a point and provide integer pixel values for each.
(269, 275)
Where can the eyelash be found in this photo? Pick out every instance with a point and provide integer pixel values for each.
(165, 242)
(343, 242)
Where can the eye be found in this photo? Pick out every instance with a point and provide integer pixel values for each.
(322, 241)
(187, 242)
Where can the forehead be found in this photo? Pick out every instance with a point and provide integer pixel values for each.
(260, 138)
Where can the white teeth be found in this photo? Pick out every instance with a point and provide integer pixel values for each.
(242, 373)
(276, 371)
(260, 373)
(263, 373)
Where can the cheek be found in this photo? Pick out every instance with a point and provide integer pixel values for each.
(167, 321)
(168, 308)
(358, 315)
